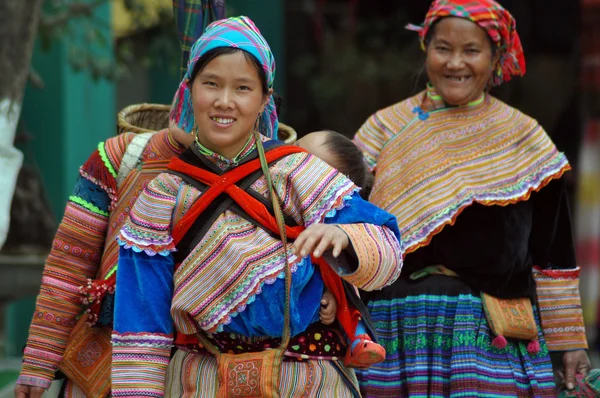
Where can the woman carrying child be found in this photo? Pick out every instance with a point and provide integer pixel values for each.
(226, 282)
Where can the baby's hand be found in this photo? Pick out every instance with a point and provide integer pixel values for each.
(328, 308)
(318, 238)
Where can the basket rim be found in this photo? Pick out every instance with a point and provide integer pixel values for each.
(125, 126)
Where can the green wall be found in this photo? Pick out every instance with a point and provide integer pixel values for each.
(71, 114)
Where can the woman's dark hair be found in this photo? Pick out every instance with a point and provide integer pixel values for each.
(350, 161)
(215, 52)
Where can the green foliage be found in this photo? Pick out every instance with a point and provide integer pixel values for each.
(90, 37)
(353, 67)
(368, 53)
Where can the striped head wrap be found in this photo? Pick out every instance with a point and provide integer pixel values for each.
(236, 32)
(499, 24)
(191, 18)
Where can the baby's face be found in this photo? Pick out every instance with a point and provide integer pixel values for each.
(314, 143)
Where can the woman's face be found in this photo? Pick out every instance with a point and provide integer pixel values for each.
(459, 60)
(227, 97)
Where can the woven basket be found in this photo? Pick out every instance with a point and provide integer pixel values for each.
(140, 118)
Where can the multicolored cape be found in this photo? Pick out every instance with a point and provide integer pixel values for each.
(432, 161)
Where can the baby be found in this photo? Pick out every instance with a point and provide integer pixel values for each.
(341, 153)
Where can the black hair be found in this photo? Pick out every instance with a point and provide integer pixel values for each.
(278, 100)
(216, 52)
(350, 161)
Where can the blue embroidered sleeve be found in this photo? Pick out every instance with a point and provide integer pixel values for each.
(144, 292)
(143, 329)
(358, 211)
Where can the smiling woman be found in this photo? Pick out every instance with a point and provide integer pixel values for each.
(460, 60)
(201, 257)
(228, 94)
(477, 191)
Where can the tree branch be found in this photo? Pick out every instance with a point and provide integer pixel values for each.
(76, 9)
(35, 78)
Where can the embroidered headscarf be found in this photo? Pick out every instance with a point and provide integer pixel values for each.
(499, 24)
(236, 32)
(191, 18)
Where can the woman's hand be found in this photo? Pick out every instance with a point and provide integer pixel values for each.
(23, 391)
(328, 308)
(573, 363)
(318, 238)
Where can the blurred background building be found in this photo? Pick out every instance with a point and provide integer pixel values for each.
(338, 61)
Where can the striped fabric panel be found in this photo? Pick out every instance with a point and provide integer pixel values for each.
(440, 346)
(114, 149)
(560, 308)
(378, 130)
(431, 169)
(74, 258)
(192, 375)
(374, 247)
(159, 151)
(139, 364)
(148, 227)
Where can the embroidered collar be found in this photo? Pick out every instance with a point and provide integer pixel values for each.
(221, 161)
(433, 101)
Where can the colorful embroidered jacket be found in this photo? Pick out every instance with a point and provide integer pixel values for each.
(232, 280)
(85, 247)
(477, 188)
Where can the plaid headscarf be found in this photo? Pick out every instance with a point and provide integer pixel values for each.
(191, 18)
(491, 17)
(236, 32)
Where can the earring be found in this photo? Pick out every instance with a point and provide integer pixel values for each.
(257, 123)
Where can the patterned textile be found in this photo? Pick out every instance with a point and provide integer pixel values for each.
(148, 229)
(85, 247)
(87, 358)
(229, 270)
(491, 17)
(305, 198)
(159, 151)
(238, 32)
(126, 355)
(317, 342)
(560, 308)
(431, 165)
(510, 317)
(440, 346)
(193, 375)
(191, 18)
